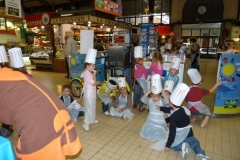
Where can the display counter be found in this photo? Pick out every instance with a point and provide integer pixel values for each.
(227, 99)
(184, 66)
(45, 62)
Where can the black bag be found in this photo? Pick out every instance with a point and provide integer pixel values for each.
(194, 63)
(6, 130)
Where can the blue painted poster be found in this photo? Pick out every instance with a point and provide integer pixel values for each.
(228, 94)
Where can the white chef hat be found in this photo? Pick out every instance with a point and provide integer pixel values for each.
(175, 63)
(16, 57)
(179, 93)
(3, 55)
(110, 85)
(156, 84)
(168, 46)
(194, 75)
(121, 82)
(169, 84)
(138, 52)
(91, 56)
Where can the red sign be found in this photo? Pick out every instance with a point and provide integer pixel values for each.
(42, 19)
(163, 30)
(108, 6)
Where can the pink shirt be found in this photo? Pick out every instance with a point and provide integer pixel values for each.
(89, 90)
(28, 75)
(156, 68)
(140, 71)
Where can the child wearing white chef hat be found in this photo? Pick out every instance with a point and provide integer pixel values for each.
(154, 128)
(195, 96)
(139, 72)
(17, 61)
(123, 101)
(3, 57)
(89, 90)
(181, 137)
(173, 72)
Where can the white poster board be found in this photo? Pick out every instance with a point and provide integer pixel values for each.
(13, 8)
(86, 40)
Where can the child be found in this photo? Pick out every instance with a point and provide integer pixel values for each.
(139, 73)
(67, 100)
(195, 95)
(89, 89)
(181, 136)
(154, 128)
(172, 75)
(106, 92)
(157, 64)
(123, 102)
(168, 88)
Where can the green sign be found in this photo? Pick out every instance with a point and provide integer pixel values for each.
(100, 3)
(230, 103)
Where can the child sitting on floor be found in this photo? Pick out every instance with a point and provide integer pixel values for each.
(181, 136)
(154, 128)
(123, 102)
(67, 99)
(195, 95)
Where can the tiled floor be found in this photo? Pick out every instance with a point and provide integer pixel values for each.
(115, 138)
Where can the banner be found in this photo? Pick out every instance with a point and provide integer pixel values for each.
(227, 99)
(13, 8)
(108, 6)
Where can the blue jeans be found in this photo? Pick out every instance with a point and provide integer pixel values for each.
(105, 107)
(193, 143)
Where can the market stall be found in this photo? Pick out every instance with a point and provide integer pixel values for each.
(40, 39)
(102, 30)
(227, 99)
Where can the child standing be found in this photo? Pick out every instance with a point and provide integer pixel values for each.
(181, 137)
(154, 128)
(106, 92)
(67, 100)
(195, 95)
(140, 72)
(157, 64)
(173, 72)
(89, 90)
(123, 102)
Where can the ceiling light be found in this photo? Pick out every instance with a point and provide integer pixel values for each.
(42, 27)
(114, 27)
(89, 22)
(74, 23)
(69, 14)
(101, 26)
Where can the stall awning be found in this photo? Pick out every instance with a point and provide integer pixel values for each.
(95, 21)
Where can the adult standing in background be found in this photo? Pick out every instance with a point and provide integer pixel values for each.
(195, 53)
(70, 48)
(98, 46)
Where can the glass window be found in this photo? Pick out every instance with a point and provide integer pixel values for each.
(205, 32)
(145, 19)
(2, 24)
(138, 21)
(165, 19)
(132, 20)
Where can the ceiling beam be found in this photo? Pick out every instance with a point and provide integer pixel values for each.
(44, 3)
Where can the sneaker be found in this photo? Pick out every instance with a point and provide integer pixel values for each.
(106, 113)
(141, 109)
(185, 150)
(202, 157)
(86, 127)
(124, 117)
(204, 121)
(96, 121)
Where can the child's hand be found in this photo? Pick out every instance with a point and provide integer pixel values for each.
(97, 83)
(157, 107)
(166, 149)
(94, 72)
(219, 83)
(110, 95)
(149, 91)
(119, 111)
(163, 90)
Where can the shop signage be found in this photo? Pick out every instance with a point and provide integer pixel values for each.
(69, 19)
(109, 22)
(108, 6)
(2, 11)
(13, 8)
(38, 20)
(235, 32)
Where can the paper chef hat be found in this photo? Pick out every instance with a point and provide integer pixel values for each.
(112, 83)
(138, 52)
(16, 57)
(156, 84)
(3, 55)
(179, 93)
(194, 75)
(121, 82)
(175, 63)
(169, 84)
(91, 56)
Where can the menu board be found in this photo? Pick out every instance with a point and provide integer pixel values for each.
(108, 6)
